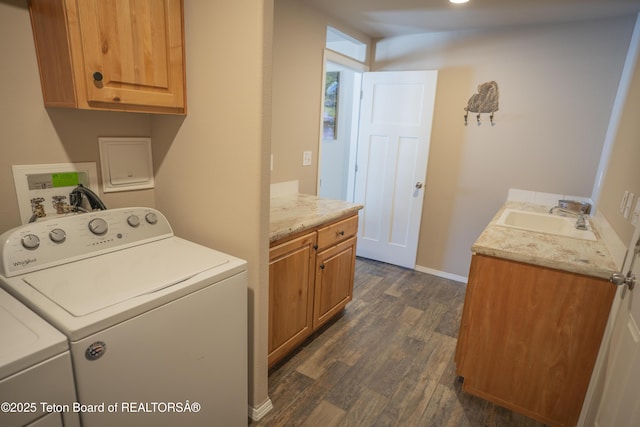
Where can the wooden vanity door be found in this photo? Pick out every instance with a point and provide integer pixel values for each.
(335, 268)
(133, 52)
(530, 336)
(291, 275)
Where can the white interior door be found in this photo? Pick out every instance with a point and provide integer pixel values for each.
(620, 403)
(393, 149)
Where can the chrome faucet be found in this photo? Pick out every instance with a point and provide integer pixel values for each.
(581, 223)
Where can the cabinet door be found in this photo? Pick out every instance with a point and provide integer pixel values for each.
(291, 271)
(133, 51)
(530, 336)
(335, 268)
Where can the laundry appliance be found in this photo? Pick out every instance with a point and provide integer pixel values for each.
(156, 324)
(36, 380)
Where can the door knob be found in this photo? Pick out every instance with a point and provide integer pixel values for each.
(418, 185)
(621, 280)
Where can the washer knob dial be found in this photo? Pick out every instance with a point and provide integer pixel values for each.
(151, 218)
(133, 220)
(30, 241)
(98, 226)
(57, 235)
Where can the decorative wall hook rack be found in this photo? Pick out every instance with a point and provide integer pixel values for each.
(485, 101)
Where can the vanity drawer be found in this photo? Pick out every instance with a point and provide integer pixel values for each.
(337, 232)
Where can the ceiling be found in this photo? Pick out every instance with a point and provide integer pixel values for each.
(388, 18)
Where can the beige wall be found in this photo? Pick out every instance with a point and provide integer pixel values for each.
(32, 134)
(299, 38)
(212, 165)
(623, 172)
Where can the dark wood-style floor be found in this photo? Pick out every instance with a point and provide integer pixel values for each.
(386, 361)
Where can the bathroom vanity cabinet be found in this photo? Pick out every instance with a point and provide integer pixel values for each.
(310, 281)
(529, 337)
(110, 55)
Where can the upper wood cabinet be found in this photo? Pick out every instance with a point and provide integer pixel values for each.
(111, 54)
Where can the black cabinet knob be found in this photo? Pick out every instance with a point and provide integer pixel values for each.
(97, 76)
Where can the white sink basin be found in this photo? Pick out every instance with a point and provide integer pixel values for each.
(545, 223)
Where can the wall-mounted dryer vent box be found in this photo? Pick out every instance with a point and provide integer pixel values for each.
(126, 164)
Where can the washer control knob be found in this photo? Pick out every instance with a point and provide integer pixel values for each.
(57, 235)
(30, 241)
(151, 218)
(133, 220)
(98, 226)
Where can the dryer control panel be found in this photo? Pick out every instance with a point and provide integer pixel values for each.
(44, 244)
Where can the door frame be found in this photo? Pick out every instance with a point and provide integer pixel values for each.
(358, 67)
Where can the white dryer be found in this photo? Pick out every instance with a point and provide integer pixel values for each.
(157, 325)
(36, 380)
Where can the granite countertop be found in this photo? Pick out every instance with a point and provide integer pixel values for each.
(293, 213)
(562, 253)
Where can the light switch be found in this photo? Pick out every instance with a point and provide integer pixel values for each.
(126, 164)
(306, 158)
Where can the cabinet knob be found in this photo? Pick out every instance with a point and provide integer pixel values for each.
(322, 267)
(97, 76)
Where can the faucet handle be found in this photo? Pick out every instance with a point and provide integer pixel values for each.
(575, 206)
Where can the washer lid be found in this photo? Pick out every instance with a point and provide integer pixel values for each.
(25, 339)
(84, 287)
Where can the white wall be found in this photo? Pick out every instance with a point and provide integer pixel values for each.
(557, 85)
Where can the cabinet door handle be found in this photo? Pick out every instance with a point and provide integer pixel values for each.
(340, 233)
(322, 267)
(97, 76)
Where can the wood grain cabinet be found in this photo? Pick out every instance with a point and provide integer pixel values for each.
(291, 277)
(529, 337)
(111, 54)
(335, 268)
(310, 281)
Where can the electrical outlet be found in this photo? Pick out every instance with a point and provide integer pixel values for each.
(636, 213)
(627, 208)
(306, 158)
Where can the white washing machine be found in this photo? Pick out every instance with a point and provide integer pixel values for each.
(157, 325)
(35, 370)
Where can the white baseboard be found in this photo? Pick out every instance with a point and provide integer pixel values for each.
(255, 414)
(442, 274)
